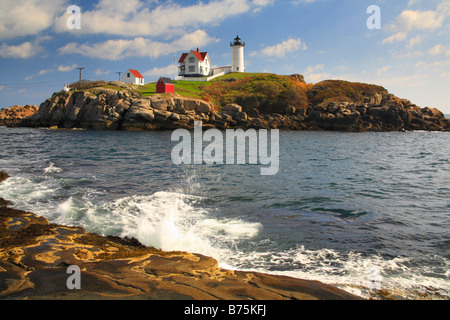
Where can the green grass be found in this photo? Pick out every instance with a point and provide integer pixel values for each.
(238, 76)
(190, 89)
(193, 89)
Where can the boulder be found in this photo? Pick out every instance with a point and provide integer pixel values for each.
(232, 109)
(159, 103)
(241, 116)
(204, 107)
(137, 112)
(175, 117)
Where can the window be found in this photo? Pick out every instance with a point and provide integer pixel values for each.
(192, 69)
(128, 75)
(191, 59)
(237, 68)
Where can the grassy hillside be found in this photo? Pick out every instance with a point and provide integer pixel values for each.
(193, 89)
(268, 93)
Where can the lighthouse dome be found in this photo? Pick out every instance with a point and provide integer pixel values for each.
(238, 42)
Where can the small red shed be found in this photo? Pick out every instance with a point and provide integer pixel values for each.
(165, 85)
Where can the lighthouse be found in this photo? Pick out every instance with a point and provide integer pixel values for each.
(237, 57)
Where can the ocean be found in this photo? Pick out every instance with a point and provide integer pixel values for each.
(362, 211)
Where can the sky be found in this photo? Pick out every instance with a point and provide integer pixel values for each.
(408, 53)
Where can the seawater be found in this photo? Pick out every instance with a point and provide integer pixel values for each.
(341, 206)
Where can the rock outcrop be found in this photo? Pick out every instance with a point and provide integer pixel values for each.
(15, 115)
(391, 114)
(107, 109)
(35, 256)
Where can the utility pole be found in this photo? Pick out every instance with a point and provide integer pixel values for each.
(119, 73)
(80, 72)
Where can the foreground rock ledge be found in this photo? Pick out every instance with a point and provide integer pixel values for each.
(35, 255)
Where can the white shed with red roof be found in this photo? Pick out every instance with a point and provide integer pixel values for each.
(133, 77)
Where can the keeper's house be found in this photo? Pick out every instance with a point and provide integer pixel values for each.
(194, 64)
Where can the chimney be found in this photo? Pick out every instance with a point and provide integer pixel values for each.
(198, 49)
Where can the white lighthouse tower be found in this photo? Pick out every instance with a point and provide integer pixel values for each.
(237, 57)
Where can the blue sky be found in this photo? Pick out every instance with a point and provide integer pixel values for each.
(322, 39)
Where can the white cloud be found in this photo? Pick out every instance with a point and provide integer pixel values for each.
(133, 18)
(410, 20)
(62, 68)
(313, 74)
(100, 72)
(438, 49)
(298, 2)
(417, 21)
(40, 73)
(414, 41)
(137, 47)
(27, 17)
(22, 51)
(400, 36)
(282, 49)
(170, 70)
(434, 67)
(383, 70)
(259, 4)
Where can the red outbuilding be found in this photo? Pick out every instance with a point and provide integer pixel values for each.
(165, 85)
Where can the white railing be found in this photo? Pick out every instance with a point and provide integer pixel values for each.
(199, 79)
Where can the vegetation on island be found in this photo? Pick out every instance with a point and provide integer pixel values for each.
(342, 91)
(255, 92)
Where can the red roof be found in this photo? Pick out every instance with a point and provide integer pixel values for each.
(136, 74)
(200, 56)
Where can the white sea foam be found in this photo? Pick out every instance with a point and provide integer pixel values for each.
(352, 271)
(24, 191)
(165, 220)
(52, 168)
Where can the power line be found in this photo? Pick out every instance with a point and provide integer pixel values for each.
(31, 83)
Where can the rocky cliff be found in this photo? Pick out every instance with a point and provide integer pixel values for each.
(333, 106)
(14, 116)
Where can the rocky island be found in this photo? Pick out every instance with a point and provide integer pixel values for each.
(35, 256)
(259, 101)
